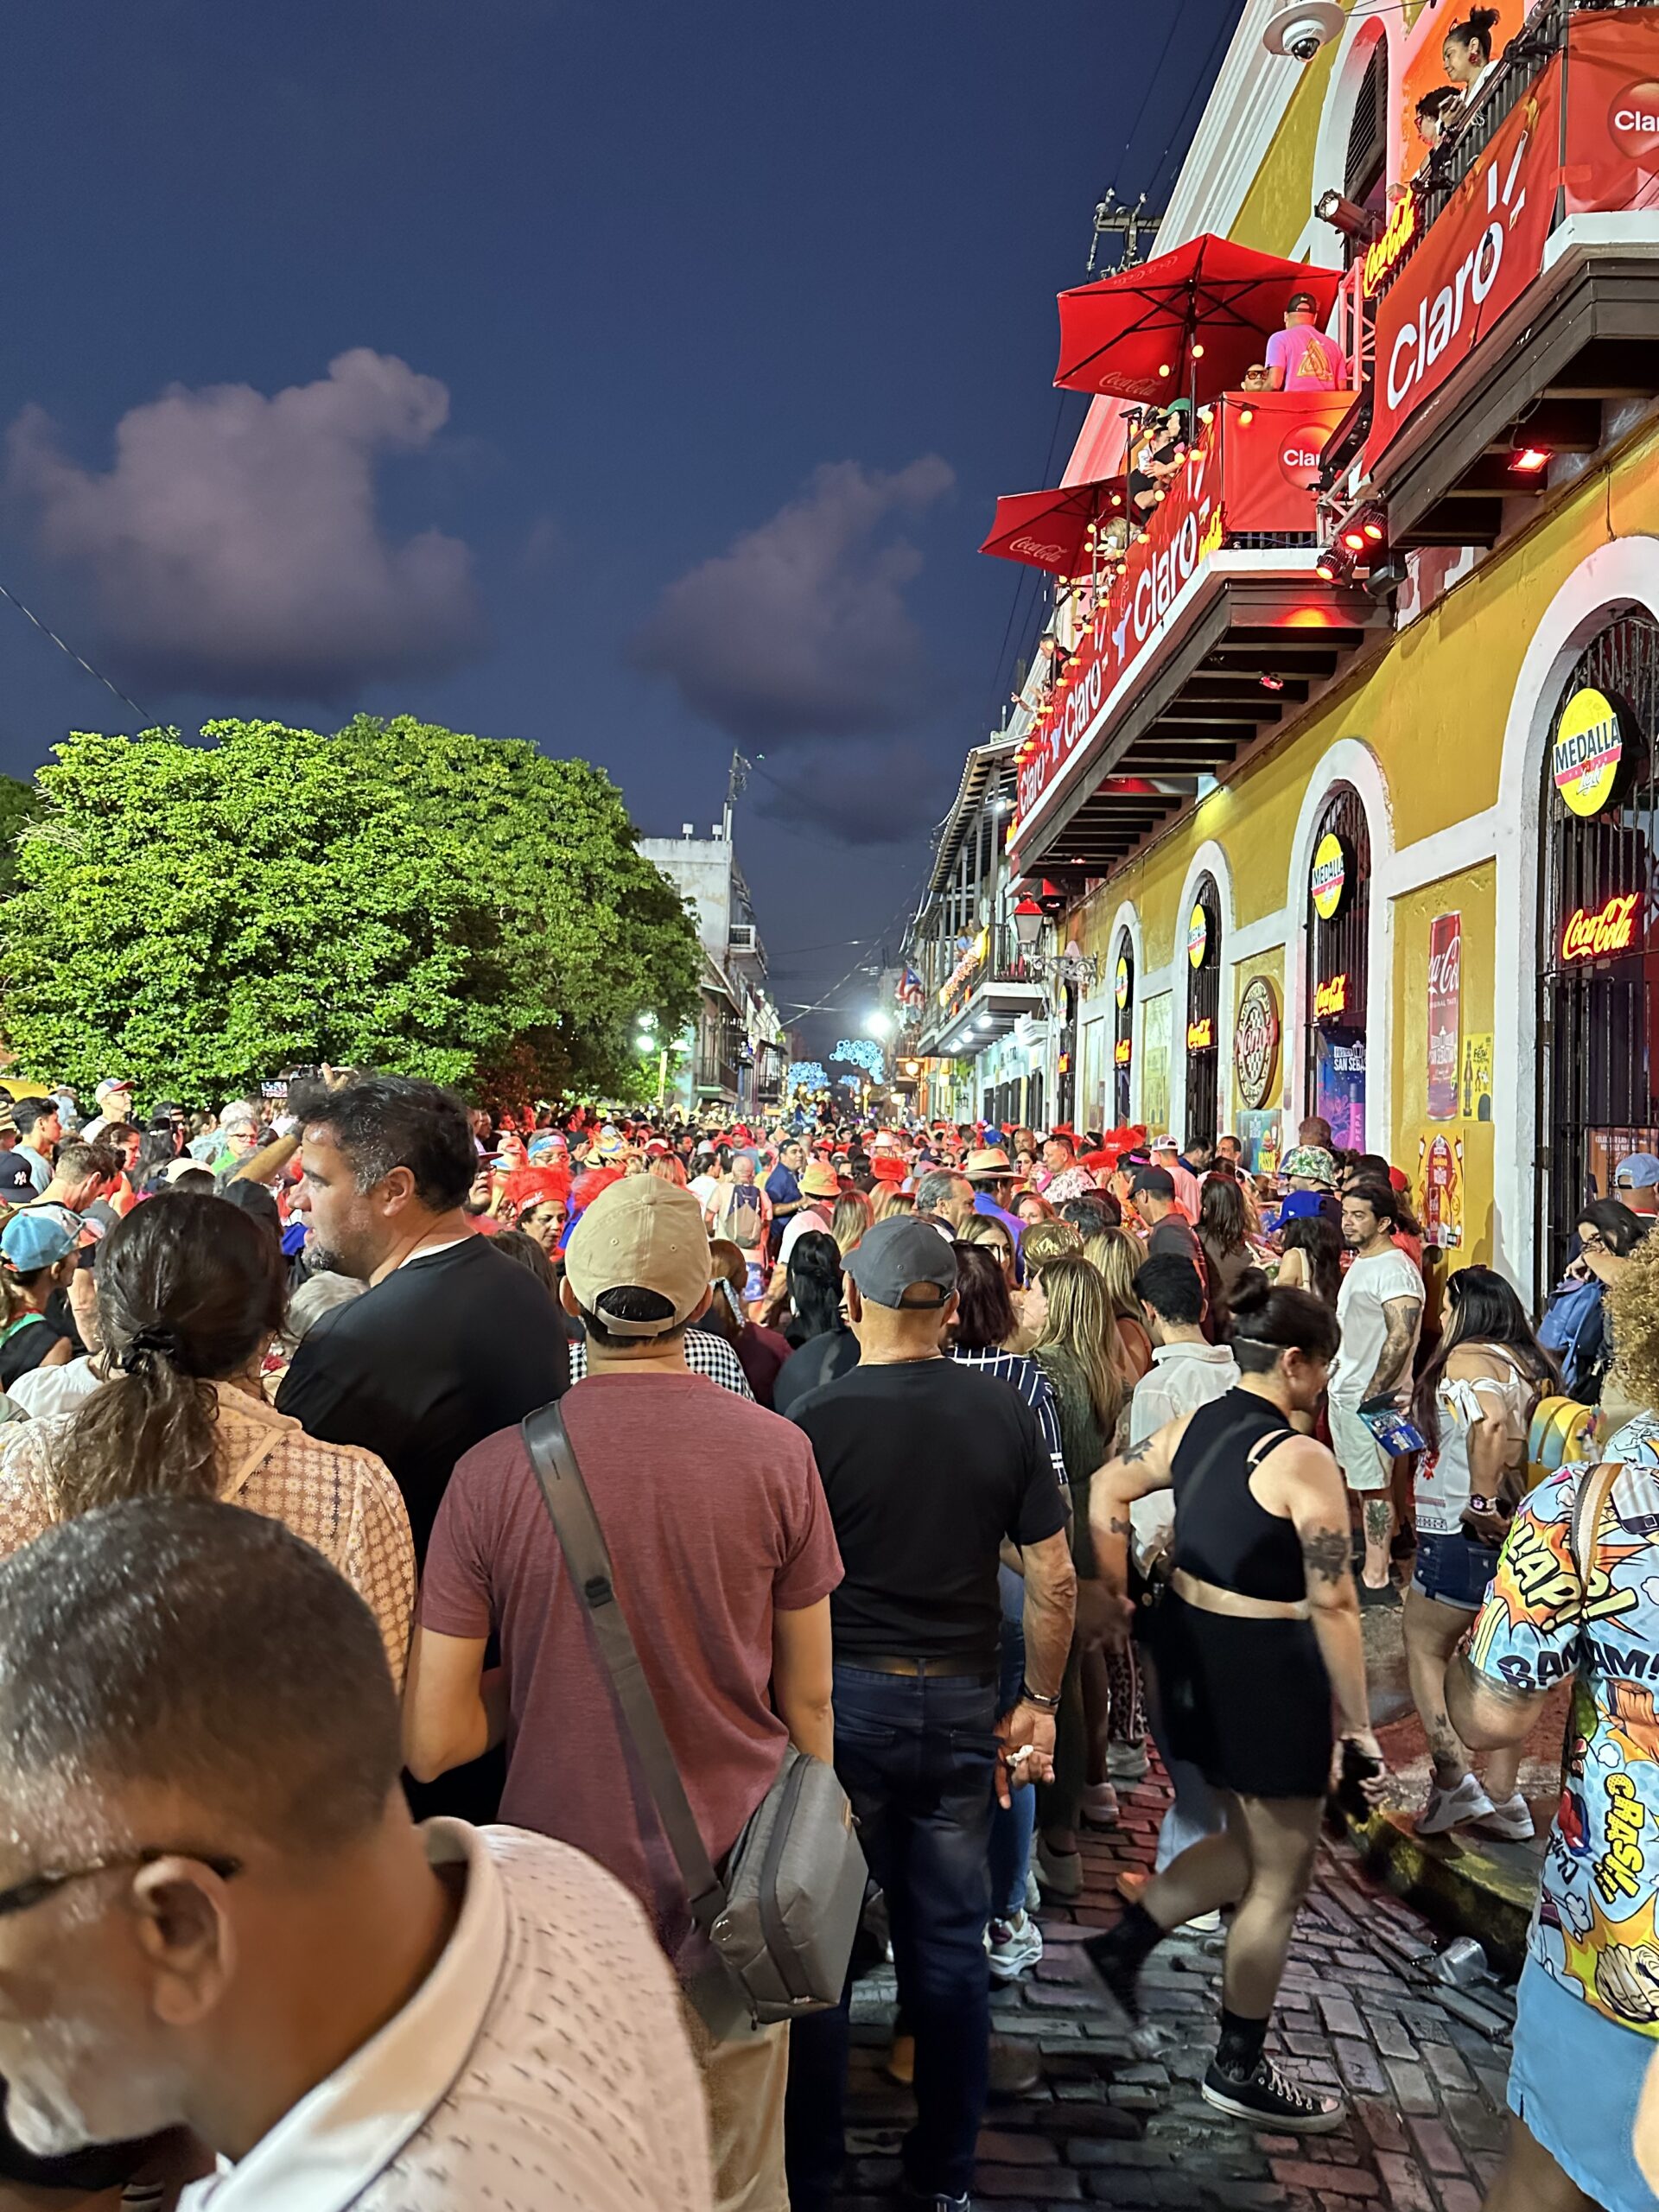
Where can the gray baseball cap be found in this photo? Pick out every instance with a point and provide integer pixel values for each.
(899, 1255)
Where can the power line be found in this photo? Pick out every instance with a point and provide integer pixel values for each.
(80, 659)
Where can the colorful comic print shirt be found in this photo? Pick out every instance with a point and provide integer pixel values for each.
(1595, 1929)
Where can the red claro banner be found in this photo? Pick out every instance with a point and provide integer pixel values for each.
(1612, 112)
(1257, 460)
(1486, 246)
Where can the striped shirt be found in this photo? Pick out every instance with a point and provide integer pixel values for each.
(1033, 1386)
(705, 1354)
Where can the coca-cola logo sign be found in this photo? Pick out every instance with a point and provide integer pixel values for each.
(1445, 969)
(1036, 550)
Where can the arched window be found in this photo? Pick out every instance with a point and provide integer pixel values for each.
(1599, 989)
(1122, 1027)
(1338, 928)
(1203, 1015)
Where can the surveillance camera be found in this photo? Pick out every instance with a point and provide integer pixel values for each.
(1302, 30)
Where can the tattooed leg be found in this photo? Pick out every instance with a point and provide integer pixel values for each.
(1379, 1535)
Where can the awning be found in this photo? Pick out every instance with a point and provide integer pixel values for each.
(1050, 530)
(1198, 316)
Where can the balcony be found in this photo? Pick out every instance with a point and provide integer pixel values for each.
(1217, 625)
(1517, 305)
(995, 982)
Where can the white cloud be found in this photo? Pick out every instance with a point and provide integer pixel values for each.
(235, 545)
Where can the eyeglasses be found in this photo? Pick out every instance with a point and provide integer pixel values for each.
(34, 1889)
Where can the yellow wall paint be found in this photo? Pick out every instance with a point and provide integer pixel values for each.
(1279, 202)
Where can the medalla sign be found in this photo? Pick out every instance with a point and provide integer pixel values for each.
(1587, 750)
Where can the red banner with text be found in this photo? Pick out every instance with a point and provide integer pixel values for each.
(1483, 250)
(1612, 112)
(1255, 461)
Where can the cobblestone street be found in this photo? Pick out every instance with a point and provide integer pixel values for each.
(1111, 2123)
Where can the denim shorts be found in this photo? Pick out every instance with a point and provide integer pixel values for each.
(1574, 2081)
(1454, 1570)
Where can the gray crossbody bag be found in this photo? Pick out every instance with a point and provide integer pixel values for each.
(781, 1922)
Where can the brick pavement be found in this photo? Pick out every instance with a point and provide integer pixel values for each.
(1112, 2123)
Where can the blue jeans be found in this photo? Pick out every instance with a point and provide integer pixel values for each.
(1012, 1830)
(918, 1758)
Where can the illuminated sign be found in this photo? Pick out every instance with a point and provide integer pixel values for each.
(1383, 253)
(1197, 936)
(1587, 750)
(1329, 879)
(1330, 997)
(1201, 1036)
(1120, 1053)
(1598, 935)
(1121, 982)
(1256, 1042)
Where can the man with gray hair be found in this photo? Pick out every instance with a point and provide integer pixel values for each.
(217, 1913)
(945, 1198)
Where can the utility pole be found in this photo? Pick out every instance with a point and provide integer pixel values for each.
(1117, 219)
(736, 782)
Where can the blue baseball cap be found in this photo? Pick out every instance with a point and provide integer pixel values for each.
(1639, 1171)
(38, 1236)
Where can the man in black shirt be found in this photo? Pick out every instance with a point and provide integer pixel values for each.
(451, 1341)
(928, 1467)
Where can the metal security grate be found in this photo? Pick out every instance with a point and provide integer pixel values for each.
(1367, 135)
(1203, 1019)
(1123, 1032)
(1337, 950)
(1598, 1012)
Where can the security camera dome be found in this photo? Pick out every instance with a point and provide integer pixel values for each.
(1300, 31)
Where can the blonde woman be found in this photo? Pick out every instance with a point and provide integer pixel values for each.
(1118, 1253)
(1043, 1242)
(889, 1198)
(1074, 1352)
(853, 1214)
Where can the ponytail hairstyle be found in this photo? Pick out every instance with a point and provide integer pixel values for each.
(1475, 31)
(190, 1289)
(1269, 1322)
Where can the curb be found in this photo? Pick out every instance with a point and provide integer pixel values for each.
(1463, 1885)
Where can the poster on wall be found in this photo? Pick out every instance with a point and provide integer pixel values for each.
(1154, 1062)
(1439, 1191)
(1256, 1042)
(1261, 1136)
(1339, 1087)
(1444, 1014)
(1477, 1077)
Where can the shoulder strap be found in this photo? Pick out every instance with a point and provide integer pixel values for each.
(1589, 1510)
(582, 1542)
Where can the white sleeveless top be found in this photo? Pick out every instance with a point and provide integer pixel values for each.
(1443, 1478)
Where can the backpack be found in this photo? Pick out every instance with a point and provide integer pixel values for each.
(742, 1217)
(1561, 1432)
(1572, 1328)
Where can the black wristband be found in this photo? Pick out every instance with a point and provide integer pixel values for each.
(1029, 1696)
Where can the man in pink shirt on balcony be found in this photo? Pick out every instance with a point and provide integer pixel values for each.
(1301, 358)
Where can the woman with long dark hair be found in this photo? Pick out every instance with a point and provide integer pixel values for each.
(1311, 1256)
(1257, 1637)
(811, 1320)
(1472, 1406)
(190, 1294)
(1225, 1228)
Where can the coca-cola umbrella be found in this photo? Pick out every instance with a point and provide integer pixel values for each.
(1188, 321)
(1050, 530)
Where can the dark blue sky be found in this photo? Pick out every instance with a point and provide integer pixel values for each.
(679, 355)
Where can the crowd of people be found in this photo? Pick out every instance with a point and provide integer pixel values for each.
(984, 1465)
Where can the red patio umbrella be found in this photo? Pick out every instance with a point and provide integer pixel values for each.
(1050, 530)
(1188, 321)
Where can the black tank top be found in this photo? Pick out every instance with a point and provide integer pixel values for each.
(1226, 1537)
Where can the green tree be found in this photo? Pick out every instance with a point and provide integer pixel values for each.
(19, 804)
(397, 894)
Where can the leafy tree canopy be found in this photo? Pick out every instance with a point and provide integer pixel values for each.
(397, 894)
(19, 804)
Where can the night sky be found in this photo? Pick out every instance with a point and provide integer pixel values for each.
(635, 379)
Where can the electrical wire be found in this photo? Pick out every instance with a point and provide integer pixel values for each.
(80, 659)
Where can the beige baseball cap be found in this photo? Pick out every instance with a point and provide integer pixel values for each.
(640, 1233)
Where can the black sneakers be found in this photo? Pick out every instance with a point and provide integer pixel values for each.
(1264, 2096)
(1118, 1963)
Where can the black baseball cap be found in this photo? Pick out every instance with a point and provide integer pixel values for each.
(1153, 1183)
(898, 1255)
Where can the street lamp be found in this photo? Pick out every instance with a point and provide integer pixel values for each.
(1028, 919)
(880, 1024)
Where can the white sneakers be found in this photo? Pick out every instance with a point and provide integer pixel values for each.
(1467, 1803)
(1016, 1945)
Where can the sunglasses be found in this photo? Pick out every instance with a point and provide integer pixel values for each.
(34, 1889)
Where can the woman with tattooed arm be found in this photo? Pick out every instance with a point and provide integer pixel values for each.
(1256, 1633)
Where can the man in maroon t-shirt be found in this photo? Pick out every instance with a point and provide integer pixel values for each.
(724, 1557)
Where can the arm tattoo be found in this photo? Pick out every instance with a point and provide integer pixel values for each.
(1400, 1315)
(1136, 1452)
(1118, 1527)
(1326, 1554)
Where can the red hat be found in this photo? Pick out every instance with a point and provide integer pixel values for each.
(888, 1167)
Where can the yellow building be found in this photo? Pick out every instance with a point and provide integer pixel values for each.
(1366, 825)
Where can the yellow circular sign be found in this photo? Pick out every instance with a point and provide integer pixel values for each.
(1329, 878)
(1587, 752)
(1121, 982)
(1198, 937)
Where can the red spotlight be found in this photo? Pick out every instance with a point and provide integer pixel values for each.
(1325, 569)
(1529, 460)
(1374, 532)
(1354, 540)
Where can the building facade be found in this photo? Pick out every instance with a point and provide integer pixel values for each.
(734, 1058)
(1358, 818)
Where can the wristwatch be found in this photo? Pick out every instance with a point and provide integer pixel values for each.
(1029, 1696)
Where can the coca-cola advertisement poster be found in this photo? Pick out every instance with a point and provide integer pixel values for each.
(1444, 1014)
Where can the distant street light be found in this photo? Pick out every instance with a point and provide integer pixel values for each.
(879, 1025)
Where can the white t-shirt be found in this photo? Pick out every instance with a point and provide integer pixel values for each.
(810, 1218)
(703, 1189)
(1366, 1287)
(47, 1390)
(1182, 1377)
